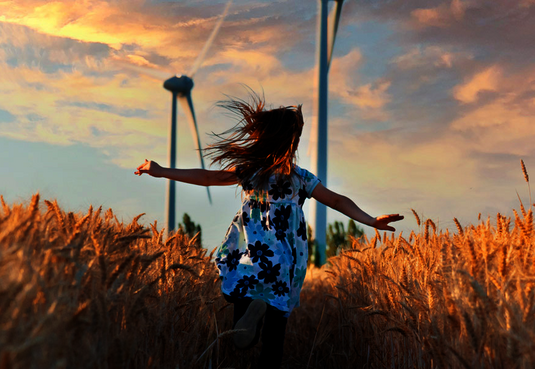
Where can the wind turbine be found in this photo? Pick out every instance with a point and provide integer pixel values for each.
(324, 49)
(180, 87)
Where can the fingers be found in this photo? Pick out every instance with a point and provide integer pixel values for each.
(395, 217)
(385, 219)
(391, 218)
(143, 168)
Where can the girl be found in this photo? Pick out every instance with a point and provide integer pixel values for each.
(263, 275)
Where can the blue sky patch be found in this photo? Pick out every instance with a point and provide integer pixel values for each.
(6, 117)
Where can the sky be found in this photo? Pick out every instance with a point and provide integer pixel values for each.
(431, 103)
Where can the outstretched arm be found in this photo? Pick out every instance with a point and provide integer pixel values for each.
(201, 177)
(346, 206)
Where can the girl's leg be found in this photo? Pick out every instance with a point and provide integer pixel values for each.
(273, 333)
(240, 309)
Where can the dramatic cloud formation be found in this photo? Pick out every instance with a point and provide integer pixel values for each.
(80, 66)
(430, 101)
(460, 99)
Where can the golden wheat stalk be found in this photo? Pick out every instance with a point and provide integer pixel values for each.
(472, 255)
(528, 225)
(526, 177)
(120, 269)
(432, 224)
(7, 211)
(416, 216)
(77, 229)
(459, 227)
(34, 204)
(524, 171)
(483, 318)
(504, 261)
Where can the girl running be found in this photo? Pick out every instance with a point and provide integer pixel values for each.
(263, 258)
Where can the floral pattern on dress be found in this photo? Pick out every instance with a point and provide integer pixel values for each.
(264, 253)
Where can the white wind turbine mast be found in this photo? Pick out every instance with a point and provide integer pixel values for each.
(180, 87)
(326, 35)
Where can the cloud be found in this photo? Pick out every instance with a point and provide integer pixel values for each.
(91, 21)
(175, 31)
(59, 64)
(499, 127)
(65, 107)
(346, 84)
(441, 16)
(122, 112)
(501, 121)
(83, 96)
(458, 107)
(22, 46)
(425, 57)
(486, 80)
(383, 173)
(440, 78)
(370, 98)
(490, 30)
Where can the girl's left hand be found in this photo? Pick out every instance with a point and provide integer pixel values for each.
(150, 167)
(381, 222)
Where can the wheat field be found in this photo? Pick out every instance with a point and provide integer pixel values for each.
(88, 291)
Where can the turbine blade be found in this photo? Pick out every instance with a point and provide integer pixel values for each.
(208, 43)
(187, 106)
(146, 71)
(334, 22)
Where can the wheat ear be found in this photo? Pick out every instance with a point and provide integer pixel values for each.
(458, 225)
(526, 177)
(416, 216)
(7, 211)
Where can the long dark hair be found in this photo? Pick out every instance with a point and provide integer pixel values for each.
(262, 143)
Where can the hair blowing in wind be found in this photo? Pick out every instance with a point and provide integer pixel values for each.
(262, 143)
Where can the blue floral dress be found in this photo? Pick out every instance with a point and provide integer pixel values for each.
(264, 253)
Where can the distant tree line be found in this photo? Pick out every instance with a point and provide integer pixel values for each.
(190, 229)
(338, 239)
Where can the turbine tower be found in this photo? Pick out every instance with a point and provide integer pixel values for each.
(180, 87)
(326, 35)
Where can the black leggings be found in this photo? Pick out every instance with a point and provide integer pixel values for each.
(273, 332)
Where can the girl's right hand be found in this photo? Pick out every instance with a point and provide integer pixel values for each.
(150, 167)
(382, 221)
